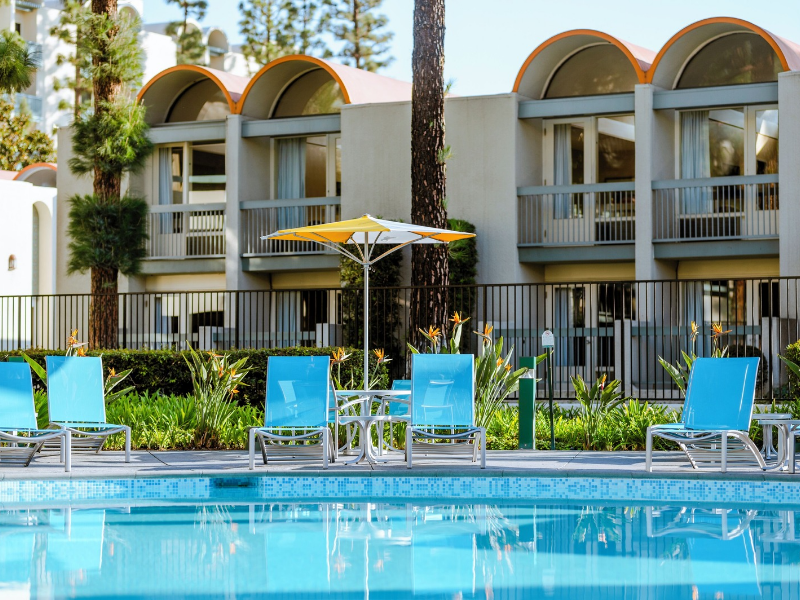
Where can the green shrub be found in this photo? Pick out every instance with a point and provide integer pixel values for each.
(165, 371)
(793, 354)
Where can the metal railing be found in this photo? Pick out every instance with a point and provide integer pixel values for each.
(619, 329)
(186, 231)
(715, 208)
(265, 216)
(568, 215)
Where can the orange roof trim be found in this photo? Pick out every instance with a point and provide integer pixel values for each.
(788, 52)
(358, 86)
(640, 58)
(36, 166)
(232, 86)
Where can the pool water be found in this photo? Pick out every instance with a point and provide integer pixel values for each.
(398, 549)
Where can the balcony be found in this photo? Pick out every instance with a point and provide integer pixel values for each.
(263, 217)
(718, 209)
(178, 232)
(558, 217)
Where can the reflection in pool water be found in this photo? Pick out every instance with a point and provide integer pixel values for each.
(397, 550)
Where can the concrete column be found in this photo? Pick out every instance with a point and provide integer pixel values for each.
(643, 103)
(789, 172)
(233, 153)
(7, 17)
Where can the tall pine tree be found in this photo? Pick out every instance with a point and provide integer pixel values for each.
(307, 27)
(106, 229)
(17, 63)
(361, 31)
(191, 49)
(68, 31)
(429, 266)
(266, 26)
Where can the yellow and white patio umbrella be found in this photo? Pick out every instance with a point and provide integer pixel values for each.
(356, 239)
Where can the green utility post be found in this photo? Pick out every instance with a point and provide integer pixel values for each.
(548, 343)
(527, 404)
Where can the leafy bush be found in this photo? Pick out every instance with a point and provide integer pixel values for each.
(792, 354)
(165, 372)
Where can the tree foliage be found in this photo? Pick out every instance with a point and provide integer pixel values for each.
(191, 49)
(17, 63)
(362, 32)
(308, 26)
(266, 26)
(70, 31)
(22, 145)
(106, 235)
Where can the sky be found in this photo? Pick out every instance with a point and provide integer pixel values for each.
(487, 41)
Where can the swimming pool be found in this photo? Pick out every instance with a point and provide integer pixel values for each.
(303, 537)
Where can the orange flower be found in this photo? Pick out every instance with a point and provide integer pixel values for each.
(716, 329)
(434, 332)
(499, 361)
(339, 356)
(380, 354)
(508, 368)
(486, 335)
(457, 319)
(73, 338)
(603, 381)
(233, 372)
(234, 391)
(695, 331)
(81, 351)
(112, 373)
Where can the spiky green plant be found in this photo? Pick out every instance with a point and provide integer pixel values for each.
(596, 404)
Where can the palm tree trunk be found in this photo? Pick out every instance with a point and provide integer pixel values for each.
(103, 310)
(428, 262)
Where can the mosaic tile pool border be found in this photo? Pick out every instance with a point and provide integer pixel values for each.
(440, 488)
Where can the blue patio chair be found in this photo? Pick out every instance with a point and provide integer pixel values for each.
(443, 408)
(76, 398)
(295, 410)
(716, 415)
(18, 415)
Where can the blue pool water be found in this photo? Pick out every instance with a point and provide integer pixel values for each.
(237, 544)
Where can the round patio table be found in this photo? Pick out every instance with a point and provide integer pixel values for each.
(365, 419)
(784, 423)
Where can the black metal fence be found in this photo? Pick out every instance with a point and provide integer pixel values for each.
(616, 328)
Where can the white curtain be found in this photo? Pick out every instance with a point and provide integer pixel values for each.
(291, 179)
(164, 185)
(562, 168)
(695, 161)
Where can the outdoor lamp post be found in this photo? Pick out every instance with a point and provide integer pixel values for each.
(527, 404)
(549, 343)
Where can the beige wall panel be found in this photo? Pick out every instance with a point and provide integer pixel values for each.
(728, 269)
(586, 272)
(185, 283)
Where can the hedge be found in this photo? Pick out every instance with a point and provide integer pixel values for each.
(165, 371)
(793, 354)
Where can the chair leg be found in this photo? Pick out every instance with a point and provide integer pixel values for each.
(127, 444)
(251, 446)
(325, 447)
(648, 461)
(66, 446)
(483, 448)
(724, 445)
(409, 437)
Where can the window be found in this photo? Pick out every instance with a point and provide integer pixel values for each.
(308, 167)
(205, 165)
(600, 69)
(731, 60)
(728, 142)
(313, 93)
(202, 101)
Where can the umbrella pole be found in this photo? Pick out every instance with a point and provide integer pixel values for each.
(366, 312)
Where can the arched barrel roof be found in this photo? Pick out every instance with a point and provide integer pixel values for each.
(538, 69)
(161, 92)
(357, 86)
(682, 46)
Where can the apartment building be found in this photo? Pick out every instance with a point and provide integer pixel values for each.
(604, 164)
(33, 20)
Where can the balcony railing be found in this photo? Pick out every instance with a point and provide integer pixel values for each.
(572, 215)
(262, 217)
(715, 208)
(186, 231)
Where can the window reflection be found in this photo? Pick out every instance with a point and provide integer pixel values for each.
(766, 142)
(203, 101)
(601, 69)
(616, 149)
(314, 93)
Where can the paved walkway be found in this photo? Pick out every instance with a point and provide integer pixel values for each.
(520, 463)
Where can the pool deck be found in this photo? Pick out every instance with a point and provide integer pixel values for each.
(519, 463)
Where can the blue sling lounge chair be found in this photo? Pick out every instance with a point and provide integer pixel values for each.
(18, 415)
(76, 399)
(443, 408)
(295, 410)
(716, 415)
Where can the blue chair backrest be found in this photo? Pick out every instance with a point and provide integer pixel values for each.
(17, 411)
(298, 391)
(443, 390)
(398, 409)
(75, 389)
(720, 393)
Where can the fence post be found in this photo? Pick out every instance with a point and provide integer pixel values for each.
(236, 319)
(124, 323)
(19, 322)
